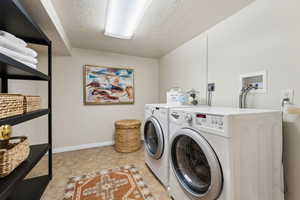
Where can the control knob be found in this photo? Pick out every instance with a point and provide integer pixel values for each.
(188, 118)
(152, 111)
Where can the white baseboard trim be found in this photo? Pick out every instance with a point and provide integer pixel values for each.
(83, 146)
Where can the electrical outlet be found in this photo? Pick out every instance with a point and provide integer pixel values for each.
(288, 94)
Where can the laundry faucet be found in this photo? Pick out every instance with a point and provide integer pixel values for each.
(243, 95)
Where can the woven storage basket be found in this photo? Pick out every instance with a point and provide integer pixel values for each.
(32, 103)
(10, 105)
(14, 155)
(128, 136)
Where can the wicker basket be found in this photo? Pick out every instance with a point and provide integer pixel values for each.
(32, 103)
(10, 105)
(128, 137)
(14, 155)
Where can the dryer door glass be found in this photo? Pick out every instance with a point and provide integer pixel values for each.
(196, 166)
(154, 141)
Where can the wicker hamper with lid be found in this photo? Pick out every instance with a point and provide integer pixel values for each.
(128, 136)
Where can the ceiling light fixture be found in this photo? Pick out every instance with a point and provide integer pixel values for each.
(123, 17)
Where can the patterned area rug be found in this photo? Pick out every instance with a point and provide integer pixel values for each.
(124, 183)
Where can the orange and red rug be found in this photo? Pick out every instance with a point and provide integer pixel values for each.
(124, 183)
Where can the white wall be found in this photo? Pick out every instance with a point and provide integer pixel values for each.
(265, 35)
(184, 67)
(77, 124)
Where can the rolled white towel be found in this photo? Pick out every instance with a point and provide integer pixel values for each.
(13, 38)
(18, 56)
(6, 43)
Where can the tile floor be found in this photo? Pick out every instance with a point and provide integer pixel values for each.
(80, 162)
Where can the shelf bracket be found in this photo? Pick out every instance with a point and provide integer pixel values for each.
(4, 85)
(4, 80)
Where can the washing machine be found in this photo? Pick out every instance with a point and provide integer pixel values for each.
(225, 154)
(156, 137)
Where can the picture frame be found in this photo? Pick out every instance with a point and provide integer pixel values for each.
(104, 85)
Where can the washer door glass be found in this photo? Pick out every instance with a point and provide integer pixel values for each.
(154, 141)
(196, 166)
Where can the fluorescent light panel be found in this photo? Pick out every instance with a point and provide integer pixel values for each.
(123, 17)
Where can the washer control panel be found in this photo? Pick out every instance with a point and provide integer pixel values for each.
(209, 121)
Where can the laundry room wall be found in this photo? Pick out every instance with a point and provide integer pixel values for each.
(262, 36)
(76, 125)
(184, 67)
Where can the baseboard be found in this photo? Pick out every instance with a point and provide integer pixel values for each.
(83, 146)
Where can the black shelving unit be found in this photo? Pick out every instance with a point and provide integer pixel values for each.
(16, 70)
(24, 117)
(14, 19)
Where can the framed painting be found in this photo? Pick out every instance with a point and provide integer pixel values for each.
(108, 85)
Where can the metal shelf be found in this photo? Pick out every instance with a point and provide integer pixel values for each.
(24, 117)
(9, 184)
(15, 20)
(32, 189)
(12, 69)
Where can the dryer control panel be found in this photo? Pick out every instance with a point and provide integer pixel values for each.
(209, 121)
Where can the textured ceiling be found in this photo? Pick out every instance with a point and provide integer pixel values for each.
(166, 25)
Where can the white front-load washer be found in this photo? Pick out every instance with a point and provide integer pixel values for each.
(225, 154)
(156, 137)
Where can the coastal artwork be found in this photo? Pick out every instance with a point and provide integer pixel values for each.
(108, 85)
